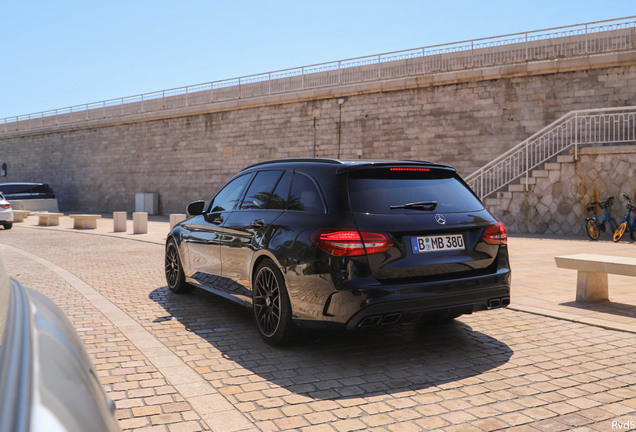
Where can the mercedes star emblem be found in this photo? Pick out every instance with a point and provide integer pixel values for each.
(440, 219)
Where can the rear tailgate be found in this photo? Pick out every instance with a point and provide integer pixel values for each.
(437, 237)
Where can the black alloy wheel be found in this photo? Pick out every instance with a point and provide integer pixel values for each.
(174, 272)
(272, 309)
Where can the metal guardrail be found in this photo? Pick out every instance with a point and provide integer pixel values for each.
(581, 39)
(577, 128)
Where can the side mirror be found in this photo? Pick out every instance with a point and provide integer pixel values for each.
(195, 208)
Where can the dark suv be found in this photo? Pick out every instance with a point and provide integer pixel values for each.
(23, 191)
(329, 243)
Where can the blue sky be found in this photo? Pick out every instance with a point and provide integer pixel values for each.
(64, 53)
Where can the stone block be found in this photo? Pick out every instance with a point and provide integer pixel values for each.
(140, 222)
(120, 221)
(175, 218)
(591, 287)
(540, 173)
(546, 200)
(552, 167)
(542, 209)
(85, 221)
(528, 180)
(505, 204)
(532, 200)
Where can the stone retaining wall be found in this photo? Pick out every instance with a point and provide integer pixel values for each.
(464, 119)
(556, 202)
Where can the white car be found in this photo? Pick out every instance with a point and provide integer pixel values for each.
(47, 380)
(6, 213)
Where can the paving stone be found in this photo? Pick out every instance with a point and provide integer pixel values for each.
(497, 370)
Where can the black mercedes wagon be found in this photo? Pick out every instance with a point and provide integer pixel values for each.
(346, 244)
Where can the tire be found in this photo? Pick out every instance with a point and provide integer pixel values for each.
(618, 234)
(8, 226)
(174, 270)
(271, 306)
(591, 228)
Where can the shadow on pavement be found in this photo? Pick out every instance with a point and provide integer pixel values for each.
(334, 364)
(608, 307)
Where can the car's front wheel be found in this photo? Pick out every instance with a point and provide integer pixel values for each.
(272, 309)
(174, 270)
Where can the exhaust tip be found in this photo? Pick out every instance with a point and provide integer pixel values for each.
(370, 321)
(494, 303)
(391, 319)
(505, 301)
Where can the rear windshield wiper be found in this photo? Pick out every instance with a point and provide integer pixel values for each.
(424, 205)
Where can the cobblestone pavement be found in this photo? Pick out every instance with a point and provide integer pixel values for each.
(496, 370)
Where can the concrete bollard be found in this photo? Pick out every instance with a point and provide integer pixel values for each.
(140, 222)
(175, 218)
(119, 221)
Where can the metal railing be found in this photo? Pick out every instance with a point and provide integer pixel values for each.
(577, 128)
(581, 39)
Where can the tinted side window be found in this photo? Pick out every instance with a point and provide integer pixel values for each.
(22, 189)
(230, 194)
(260, 190)
(304, 195)
(14, 189)
(279, 197)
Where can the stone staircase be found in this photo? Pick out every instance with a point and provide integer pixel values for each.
(542, 172)
(545, 205)
(554, 198)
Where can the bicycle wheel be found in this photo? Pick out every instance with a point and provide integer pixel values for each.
(591, 227)
(620, 231)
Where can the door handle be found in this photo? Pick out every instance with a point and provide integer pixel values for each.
(258, 223)
(218, 221)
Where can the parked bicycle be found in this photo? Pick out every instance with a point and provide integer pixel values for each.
(626, 224)
(594, 226)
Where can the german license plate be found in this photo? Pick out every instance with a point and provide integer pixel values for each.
(438, 243)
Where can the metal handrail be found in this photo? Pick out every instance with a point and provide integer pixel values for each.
(574, 129)
(575, 40)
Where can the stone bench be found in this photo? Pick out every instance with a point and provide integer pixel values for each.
(85, 221)
(20, 215)
(591, 282)
(48, 219)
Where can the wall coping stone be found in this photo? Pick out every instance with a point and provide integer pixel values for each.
(544, 67)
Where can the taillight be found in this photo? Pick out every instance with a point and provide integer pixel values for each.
(351, 243)
(495, 235)
(5, 206)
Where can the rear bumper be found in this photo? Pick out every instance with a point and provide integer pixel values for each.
(6, 216)
(383, 305)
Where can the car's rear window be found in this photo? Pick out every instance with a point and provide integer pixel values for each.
(376, 191)
(41, 189)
